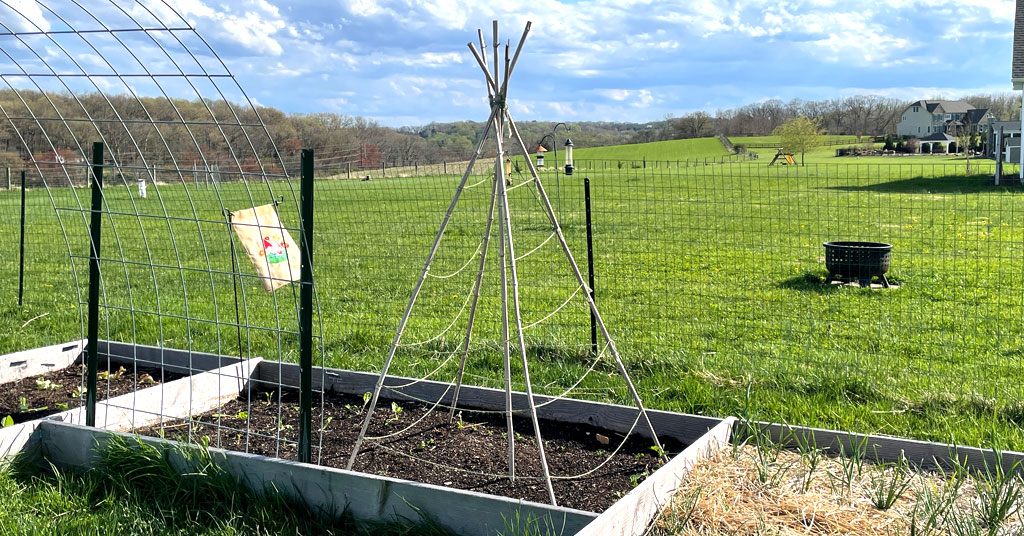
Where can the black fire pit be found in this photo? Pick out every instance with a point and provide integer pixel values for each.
(857, 261)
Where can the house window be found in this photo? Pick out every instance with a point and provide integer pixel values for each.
(915, 109)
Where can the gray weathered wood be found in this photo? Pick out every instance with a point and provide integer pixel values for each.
(924, 454)
(176, 399)
(333, 491)
(17, 439)
(684, 428)
(37, 361)
(172, 360)
(632, 515)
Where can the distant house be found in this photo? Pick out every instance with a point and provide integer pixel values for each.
(924, 118)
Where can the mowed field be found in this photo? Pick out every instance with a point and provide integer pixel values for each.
(710, 279)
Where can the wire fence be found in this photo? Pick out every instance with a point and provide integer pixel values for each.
(711, 278)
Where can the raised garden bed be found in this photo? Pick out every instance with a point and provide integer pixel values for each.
(53, 392)
(768, 487)
(469, 453)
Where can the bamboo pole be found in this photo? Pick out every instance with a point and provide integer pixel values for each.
(415, 292)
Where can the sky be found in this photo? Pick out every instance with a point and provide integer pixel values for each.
(405, 62)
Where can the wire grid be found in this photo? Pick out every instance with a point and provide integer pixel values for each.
(709, 273)
(712, 279)
(136, 77)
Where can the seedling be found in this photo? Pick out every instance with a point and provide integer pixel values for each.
(61, 406)
(810, 456)
(366, 398)
(146, 379)
(396, 411)
(852, 464)
(43, 384)
(635, 480)
(889, 483)
(8, 421)
(77, 393)
(242, 415)
(269, 395)
(107, 375)
(22, 403)
(327, 421)
(999, 493)
(658, 450)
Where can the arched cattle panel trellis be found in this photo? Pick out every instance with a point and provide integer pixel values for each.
(185, 147)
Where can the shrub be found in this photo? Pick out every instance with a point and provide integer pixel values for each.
(912, 145)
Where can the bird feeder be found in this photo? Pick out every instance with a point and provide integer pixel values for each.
(540, 155)
(568, 157)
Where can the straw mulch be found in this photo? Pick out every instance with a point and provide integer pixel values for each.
(724, 495)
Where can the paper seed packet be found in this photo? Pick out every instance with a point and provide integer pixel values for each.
(270, 248)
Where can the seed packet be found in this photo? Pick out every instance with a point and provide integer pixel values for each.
(270, 248)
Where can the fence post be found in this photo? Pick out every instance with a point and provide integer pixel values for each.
(306, 311)
(95, 227)
(998, 153)
(590, 263)
(21, 255)
(8, 178)
(444, 163)
(645, 162)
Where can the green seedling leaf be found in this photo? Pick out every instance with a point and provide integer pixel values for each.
(8, 421)
(43, 384)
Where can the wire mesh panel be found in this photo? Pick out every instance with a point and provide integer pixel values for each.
(181, 151)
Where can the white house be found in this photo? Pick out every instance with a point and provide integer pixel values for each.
(933, 118)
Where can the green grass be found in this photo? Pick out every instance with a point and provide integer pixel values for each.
(709, 278)
(137, 491)
(657, 150)
(744, 140)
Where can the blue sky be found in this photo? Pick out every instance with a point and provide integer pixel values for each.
(404, 62)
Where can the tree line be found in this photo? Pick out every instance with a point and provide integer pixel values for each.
(211, 130)
(861, 115)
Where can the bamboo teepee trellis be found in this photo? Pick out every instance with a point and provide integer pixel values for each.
(499, 120)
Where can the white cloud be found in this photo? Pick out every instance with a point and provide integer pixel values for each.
(28, 16)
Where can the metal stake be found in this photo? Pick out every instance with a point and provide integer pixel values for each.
(95, 227)
(306, 312)
(21, 255)
(590, 263)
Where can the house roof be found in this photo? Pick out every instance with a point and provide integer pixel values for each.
(1017, 69)
(949, 107)
(938, 136)
(976, 115)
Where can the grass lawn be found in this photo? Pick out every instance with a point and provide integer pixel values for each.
(709, 277)
(657, 150)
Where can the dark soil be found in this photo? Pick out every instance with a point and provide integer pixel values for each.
(471, 453)
(38, 396)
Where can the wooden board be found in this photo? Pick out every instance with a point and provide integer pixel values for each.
(925, 454)
(682, 427)
(170, 359)
(177, 399)
(37, 361)
(333, 491)
(633, 514)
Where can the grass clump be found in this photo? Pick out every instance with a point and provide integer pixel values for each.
(138, 489)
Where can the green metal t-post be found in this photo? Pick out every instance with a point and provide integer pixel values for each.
(21, 256)
(306, 311)
(95, 221)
